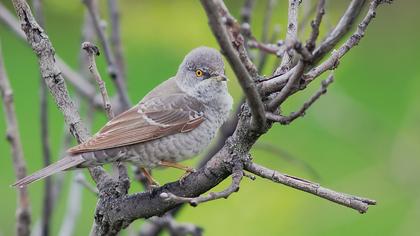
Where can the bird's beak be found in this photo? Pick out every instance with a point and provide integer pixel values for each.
(220, 78)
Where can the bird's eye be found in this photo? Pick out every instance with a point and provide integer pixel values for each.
(199, 73)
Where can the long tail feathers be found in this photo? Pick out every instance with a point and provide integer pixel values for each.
(63, 164)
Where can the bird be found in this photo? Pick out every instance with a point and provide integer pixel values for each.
(175, 121)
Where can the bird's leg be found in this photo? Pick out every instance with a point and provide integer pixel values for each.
(177, 166)
(152, 182)
(188, 170)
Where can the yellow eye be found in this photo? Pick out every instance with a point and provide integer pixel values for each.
(199, 73)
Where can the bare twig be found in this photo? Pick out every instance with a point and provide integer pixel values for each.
(285, 120)
(114, 13)
(237, 175)
(310, 44)
(113, 69)
(23, 215)
(358, 203)
(81, 85)
(244, 78)
(246, 11)
(291, 35)
(79, 178)
(46, 151)
(262, 56)
(174, 227)
(343, 26)
(51, 74)
(333, 60)
(288, 88)
(74, 205)
(93, 51)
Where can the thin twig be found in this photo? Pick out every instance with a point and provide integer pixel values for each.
(244, 78)
(93, 51)
(288, 88)
(285, 120)
(262, 56)
(23, 215)
(47, 207)
(246, 11)
(113, 69)
(310, 44)
(79, 178)
(174, 227)
(114, 13)
(343, 26)
(52, 76)
(358, 203)
(80, 84)
(237, 175)
(333, 60)
(291, 35)
(74, 205)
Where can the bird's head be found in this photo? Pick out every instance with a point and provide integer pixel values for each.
(202, 68)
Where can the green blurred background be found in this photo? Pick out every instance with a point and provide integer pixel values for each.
(361, 138)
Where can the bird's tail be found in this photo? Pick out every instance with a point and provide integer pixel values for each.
(63, 164)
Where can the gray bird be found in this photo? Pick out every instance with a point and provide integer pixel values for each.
(172, 123)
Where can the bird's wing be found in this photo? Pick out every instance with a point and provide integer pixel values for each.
(154, 118)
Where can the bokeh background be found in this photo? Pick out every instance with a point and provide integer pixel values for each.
(362, 137)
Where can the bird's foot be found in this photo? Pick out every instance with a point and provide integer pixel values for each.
(152, 183)
(177, 166)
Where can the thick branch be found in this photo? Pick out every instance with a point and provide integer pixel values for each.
(244, 78)
(23, 215)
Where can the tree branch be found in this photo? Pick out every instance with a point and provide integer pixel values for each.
(175, 228)
(237, 175)
(23, 215)
(79, 83)
(114, 14)
(113, 69)
(310, 44)
(285, 120)
(357, 203)
(93, 51)
(74, 205)
(253, 97)
(292, 30)
(52, 76)
(343, 26)
(288, 88)
(333, 60)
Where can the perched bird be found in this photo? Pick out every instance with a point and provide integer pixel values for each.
(172, 123)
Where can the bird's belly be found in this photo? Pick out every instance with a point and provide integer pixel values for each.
(172, 148)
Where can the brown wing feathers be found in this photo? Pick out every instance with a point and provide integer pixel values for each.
(146, 122)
